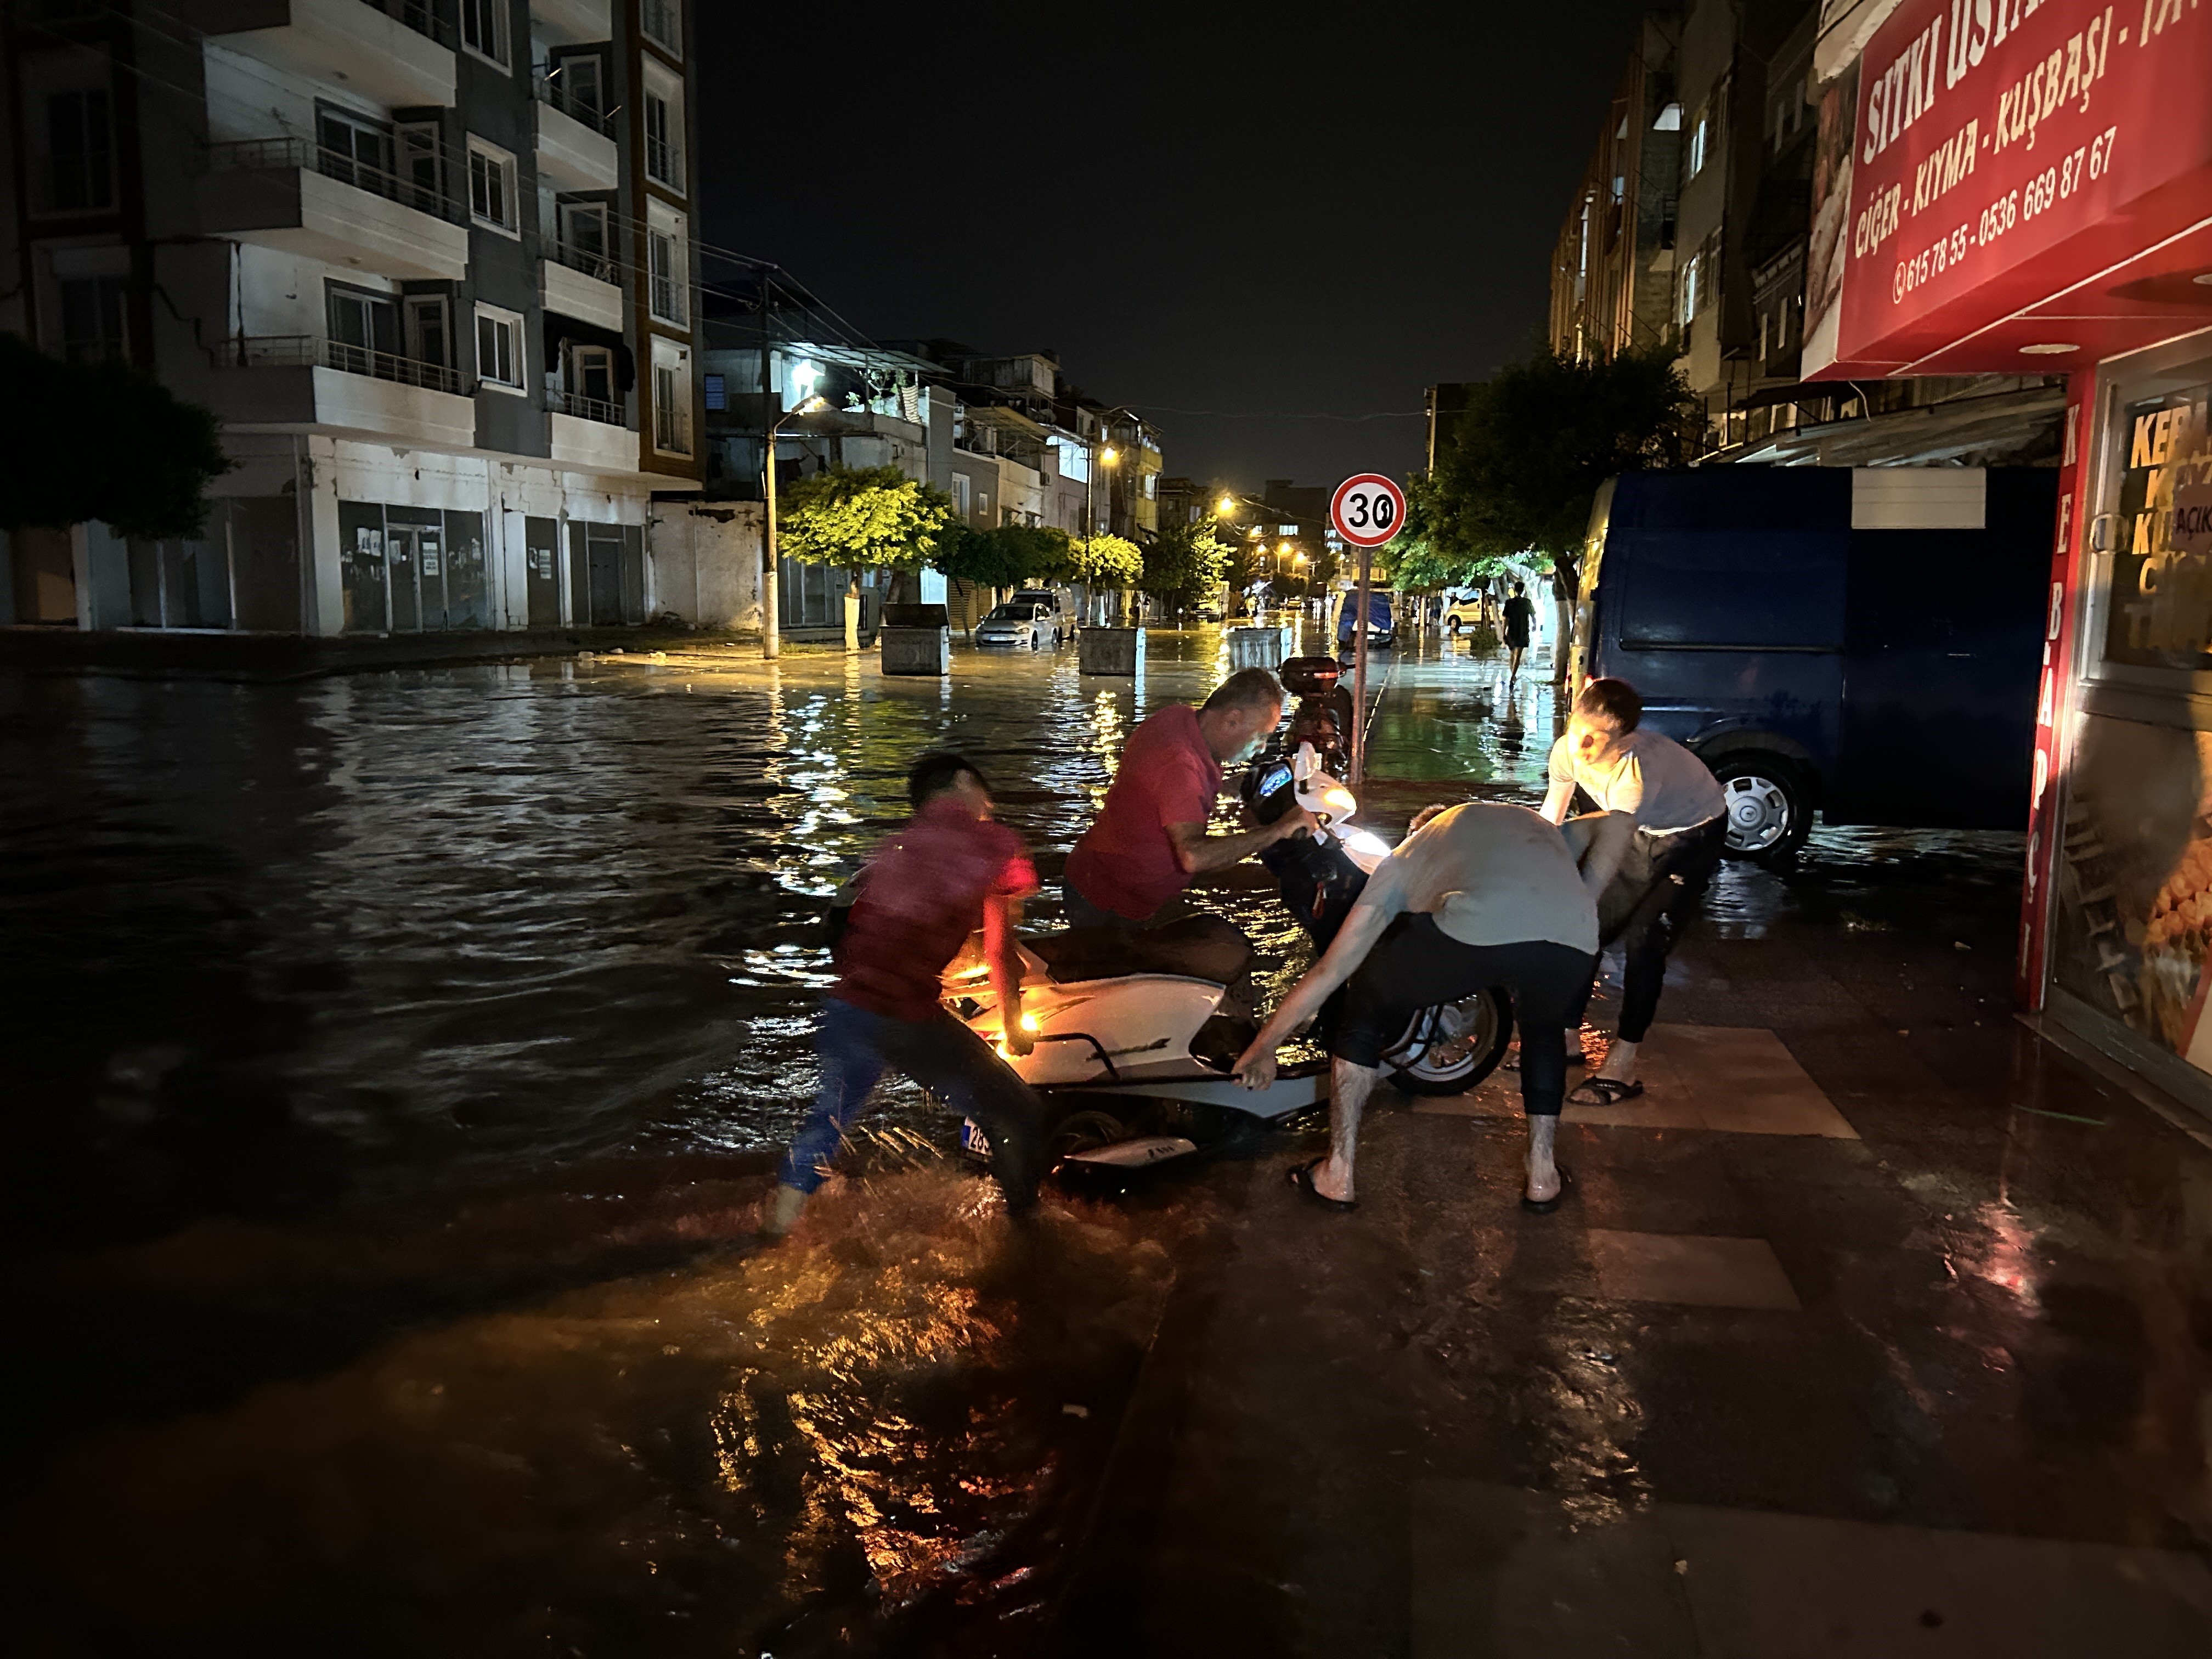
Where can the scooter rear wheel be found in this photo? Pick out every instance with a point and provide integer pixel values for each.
(1448, 1053)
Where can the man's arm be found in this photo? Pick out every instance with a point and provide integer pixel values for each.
(1558, 799)
(1599, 841)
(1256, 1065)
(1002, 916)
(1198, 852)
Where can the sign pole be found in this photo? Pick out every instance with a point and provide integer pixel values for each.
(1359, 672)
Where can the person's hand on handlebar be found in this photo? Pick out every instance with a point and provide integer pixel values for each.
(1293, 821)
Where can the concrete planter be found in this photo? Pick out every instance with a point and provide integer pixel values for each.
(1111, 651)
(916, 650)
(1258, 648)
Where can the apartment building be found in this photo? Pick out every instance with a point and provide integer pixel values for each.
(429, 262)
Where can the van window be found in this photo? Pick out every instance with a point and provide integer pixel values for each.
(1725, 590)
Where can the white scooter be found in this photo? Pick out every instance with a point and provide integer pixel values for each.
(1135, 1034)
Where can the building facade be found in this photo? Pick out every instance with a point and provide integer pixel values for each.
(430, 263)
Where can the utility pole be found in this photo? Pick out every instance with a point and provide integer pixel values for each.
(771, 598)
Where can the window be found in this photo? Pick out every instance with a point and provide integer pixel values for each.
(960, 494)
(483, 28)
(491, 186)
(664, 24)
(499, 348)
(591, 373)
(663, 139)
(360, 323)
(1686, 310)
(427, 340)
(354, 151)
(666, 274)
(671, 418)
(422, 169)
(577, 87)
(584, 239)
(80, 152)
(718, 398)
(1700, 151)
(93, 325)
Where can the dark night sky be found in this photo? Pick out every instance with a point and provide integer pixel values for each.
(1194, 210)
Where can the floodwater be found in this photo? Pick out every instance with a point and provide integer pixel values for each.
(395, 1061)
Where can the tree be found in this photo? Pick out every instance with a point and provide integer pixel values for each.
(147, 474)
(1525, 460)
(854, 518)
(1183, 564)
(1004, 557)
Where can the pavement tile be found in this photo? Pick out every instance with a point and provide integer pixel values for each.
(1700, 1271)
(1512, 1574)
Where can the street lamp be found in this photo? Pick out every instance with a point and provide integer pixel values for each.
(771, 630)
(1226, 507)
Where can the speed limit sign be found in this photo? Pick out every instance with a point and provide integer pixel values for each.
(1367, 509)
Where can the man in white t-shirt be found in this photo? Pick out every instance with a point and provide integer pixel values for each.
(1479, 895)
(1652, 856)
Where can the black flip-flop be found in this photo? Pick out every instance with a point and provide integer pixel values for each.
(1546, 1206)
(1610, 1091)
(1302, 1178)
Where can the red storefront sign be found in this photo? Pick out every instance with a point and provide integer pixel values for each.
(2016, 188)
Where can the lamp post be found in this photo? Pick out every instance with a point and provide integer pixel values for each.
(1105, 457)
(771, 600)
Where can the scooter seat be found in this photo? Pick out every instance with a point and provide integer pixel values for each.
(1196, 947)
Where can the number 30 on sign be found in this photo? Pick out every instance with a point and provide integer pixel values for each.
(1367, 509)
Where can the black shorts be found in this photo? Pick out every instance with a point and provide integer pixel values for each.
(1416, 965)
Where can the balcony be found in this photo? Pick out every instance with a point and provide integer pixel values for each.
(581, 288)
(576, 149)
(588, 435)
(399, 53)
(294, 380)
(573, 22)
(289, 193)
(588, 409)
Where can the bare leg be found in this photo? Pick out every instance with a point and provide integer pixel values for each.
(1543, 1173)
(1619, 1062)
(1349, 1085)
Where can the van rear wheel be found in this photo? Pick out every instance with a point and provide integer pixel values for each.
(1770, 810)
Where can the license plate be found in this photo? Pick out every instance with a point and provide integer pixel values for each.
(973, 1141)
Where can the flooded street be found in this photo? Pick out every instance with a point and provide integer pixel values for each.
(397, 1060)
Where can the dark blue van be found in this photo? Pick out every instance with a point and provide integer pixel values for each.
(1862, 642)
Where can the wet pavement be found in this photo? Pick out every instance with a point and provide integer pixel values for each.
(398, 1058)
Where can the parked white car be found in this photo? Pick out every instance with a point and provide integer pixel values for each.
(1027, 623)
(1058, 602)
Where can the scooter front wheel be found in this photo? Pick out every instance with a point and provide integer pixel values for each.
(1449, 1049)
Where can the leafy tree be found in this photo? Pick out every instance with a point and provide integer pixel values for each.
(1183, 564)
(1004, 557)
(1104, 561)
(858, 517)
(1525, 460)
(147, 475)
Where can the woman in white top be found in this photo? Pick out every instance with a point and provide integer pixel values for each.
(1479, 895)
(1654, 852)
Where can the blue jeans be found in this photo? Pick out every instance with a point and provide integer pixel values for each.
(857, 1048)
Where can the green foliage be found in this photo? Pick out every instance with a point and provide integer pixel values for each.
(1105, 562)
(1183, 564)
(1536, 442)
(857, 517)
(1004, 557)
(146, 473)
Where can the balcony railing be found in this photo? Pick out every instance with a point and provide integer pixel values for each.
(553, 90)
(417, 16)
(306, 351)
(588, 409)
(664, 162)
(672, 431)
(599, 265)
(274, 155)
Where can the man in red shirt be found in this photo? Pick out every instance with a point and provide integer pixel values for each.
(1150, 839)
(950, 871)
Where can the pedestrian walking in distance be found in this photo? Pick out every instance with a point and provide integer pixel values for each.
(1665, 824)
(1520, 617)
(951, 870)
